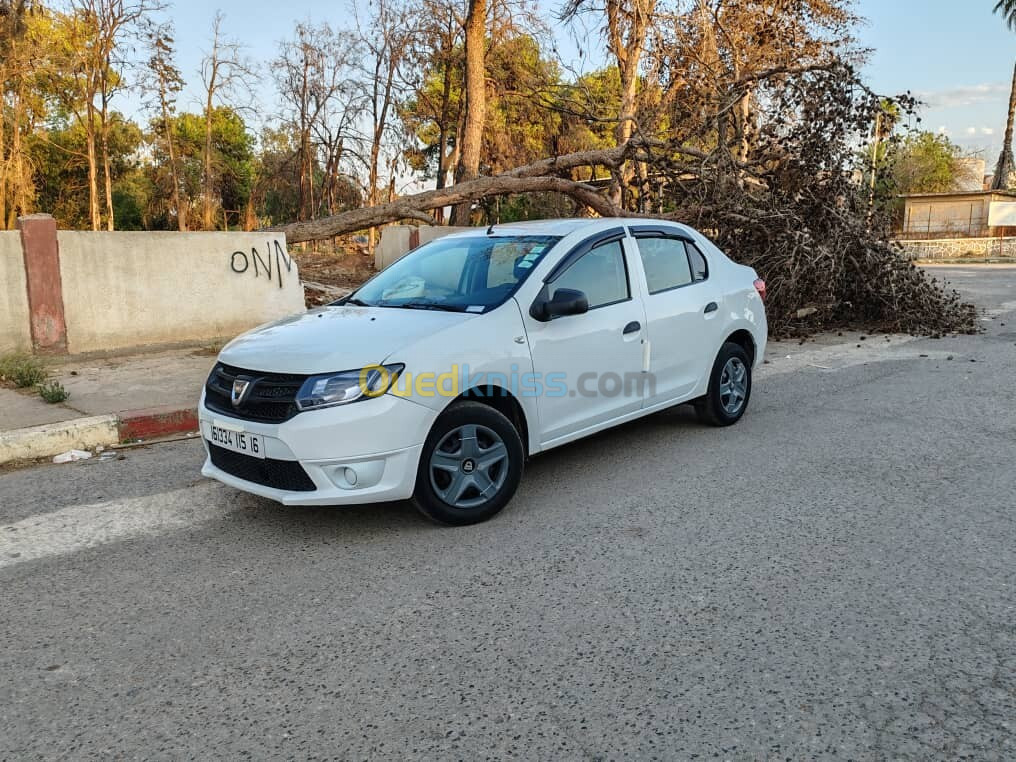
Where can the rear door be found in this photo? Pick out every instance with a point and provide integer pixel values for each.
(683, 312)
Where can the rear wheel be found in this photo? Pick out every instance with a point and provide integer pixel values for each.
(729, 387)
(470, 467)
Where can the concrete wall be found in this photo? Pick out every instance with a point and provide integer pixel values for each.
(127, 290)
(961, 248)
(952, 215)
(936, 216)
(15, 333)
(398, 240)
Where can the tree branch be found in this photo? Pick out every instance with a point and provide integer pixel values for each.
(414, 206)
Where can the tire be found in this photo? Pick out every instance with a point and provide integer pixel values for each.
(453, 486)
(718, 407)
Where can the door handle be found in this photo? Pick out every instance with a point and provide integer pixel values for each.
(633, 327)
(712, 307)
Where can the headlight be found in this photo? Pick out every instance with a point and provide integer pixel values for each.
(347, 386)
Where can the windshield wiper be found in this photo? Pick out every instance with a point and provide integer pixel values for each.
(357, 302)
(428, 306)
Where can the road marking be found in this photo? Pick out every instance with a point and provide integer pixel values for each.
(87, 526)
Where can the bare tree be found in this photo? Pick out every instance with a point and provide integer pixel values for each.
(386, 39)
(100, 29)
(163, 80)
(225, 74)
(314, 77)
(438, 48)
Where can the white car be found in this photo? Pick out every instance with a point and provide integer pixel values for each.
(439, 377)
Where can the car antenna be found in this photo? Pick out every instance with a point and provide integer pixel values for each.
(490, 230)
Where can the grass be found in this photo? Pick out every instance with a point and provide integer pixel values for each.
(21, 370)
(53, 392)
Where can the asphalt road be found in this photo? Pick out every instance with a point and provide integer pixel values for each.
(832, 578)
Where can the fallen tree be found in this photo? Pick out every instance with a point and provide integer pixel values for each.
(415, 207)
(788, 204)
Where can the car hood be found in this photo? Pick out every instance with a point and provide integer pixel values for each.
(334, 338)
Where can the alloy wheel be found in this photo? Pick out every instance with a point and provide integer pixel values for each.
(733, 386)
(468, 466)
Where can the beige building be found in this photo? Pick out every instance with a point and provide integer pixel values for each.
(961, 214)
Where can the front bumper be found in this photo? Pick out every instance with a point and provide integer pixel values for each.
(365, 452)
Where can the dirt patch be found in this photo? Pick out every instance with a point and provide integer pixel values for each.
(331, 271)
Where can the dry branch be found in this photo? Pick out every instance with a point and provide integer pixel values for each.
(785, 204)
(530, 179)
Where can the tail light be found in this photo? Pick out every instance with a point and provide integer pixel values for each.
(760, 286)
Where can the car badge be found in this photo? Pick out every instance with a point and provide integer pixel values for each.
(241, 388)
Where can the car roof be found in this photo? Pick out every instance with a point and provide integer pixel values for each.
(563, 227)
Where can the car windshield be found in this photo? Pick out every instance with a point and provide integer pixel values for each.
(473, 274)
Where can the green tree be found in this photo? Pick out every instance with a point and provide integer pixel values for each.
(522, 123)
(229, 155)
(60, 155)
(275, 194)
(26, 32)
(589, 110)
(225, 74)
(924, 162)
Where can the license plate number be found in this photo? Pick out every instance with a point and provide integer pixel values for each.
(238, 441)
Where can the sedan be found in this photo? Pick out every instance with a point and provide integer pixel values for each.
(437, 379)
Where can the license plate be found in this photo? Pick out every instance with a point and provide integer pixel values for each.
(238, 441)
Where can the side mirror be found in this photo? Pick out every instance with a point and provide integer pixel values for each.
(566, 301)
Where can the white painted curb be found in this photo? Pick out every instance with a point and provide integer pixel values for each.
(55, 438)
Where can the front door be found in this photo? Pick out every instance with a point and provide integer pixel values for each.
(590, 365)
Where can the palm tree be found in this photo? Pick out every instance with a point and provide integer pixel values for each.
(1006, 165)
(1008, 10)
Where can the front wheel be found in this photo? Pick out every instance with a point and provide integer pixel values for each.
(729, 388)
(470, 466)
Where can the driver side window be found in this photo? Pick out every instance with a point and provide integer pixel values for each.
(600, 274)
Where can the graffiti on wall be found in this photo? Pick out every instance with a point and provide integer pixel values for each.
(242, 262)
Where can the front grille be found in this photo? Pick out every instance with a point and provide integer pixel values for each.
(272, 398)
(279, 474)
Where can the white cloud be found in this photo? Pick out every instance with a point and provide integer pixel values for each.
(971, 130)
(965, 95)
(987, 131)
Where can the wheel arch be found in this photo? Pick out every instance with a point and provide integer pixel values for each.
(504, 402)
(743, 338)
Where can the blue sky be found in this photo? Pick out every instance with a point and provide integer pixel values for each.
(957, 56)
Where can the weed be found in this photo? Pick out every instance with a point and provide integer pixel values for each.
(53, 392)
(22, 370)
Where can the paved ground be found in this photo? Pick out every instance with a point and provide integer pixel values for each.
(99, 386)
(833, 577)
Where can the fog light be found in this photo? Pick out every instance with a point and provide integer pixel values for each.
(358, 475)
